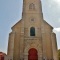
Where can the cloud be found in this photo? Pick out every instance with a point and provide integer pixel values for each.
(57, 2)
(57, 29)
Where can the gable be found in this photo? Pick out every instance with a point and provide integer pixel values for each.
(47, 27)
(17, 24)
(47, 24)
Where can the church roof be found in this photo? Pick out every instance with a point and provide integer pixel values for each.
(48, 24)
(16, 24)
(21, 20)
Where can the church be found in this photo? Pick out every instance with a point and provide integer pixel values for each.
(32, 38)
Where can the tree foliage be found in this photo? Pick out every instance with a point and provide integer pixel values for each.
(59, 54)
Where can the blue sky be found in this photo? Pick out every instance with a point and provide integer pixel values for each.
(11, 12)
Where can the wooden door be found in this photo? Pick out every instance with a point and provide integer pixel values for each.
(32, 54)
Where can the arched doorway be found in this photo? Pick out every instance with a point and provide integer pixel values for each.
(32, 54)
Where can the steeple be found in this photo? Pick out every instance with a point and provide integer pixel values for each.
(32, 13)
(32, 7)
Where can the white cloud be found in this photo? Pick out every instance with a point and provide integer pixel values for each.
(57, 2)
(57, 29)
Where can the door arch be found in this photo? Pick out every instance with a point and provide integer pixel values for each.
(32, 54)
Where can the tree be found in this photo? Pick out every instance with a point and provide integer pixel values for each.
(59, 54)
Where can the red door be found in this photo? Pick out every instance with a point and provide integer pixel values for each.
(32, 54)
(2, 58)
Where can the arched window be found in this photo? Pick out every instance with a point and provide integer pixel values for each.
(32, 31)
(32, 6)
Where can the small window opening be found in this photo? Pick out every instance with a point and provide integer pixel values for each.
(32, 6)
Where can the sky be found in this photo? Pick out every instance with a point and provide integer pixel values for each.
(11, 13)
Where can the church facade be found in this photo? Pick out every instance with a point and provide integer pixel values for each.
(32, 37)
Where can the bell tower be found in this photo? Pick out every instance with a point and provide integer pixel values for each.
(32, 37)
(32, 9)
(32, 6)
